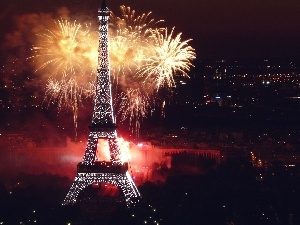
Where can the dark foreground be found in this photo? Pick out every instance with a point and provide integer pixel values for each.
(227, 194)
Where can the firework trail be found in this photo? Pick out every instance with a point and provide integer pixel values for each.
(66, 94)
(134, 105)
(131, 25)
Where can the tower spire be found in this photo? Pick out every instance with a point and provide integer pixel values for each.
(103, 10)
(103, 6)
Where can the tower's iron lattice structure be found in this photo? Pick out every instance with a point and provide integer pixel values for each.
(103, 126)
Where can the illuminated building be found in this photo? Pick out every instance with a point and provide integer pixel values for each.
(103, 126)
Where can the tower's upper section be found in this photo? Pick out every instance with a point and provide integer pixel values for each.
(103, 11)
(103, 118)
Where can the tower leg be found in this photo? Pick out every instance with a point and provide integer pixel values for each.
(78, 185)
(129, 190)
(121, 180)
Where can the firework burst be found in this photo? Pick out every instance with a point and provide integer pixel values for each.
(143, 58)
(130, 37)
(125, 56)
(169, 56)
(68, 46)
(128, 24)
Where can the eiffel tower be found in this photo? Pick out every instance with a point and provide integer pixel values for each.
(103, 126)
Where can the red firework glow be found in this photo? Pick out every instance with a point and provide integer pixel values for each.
(63, 160)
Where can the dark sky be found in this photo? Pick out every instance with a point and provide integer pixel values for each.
(219, 28)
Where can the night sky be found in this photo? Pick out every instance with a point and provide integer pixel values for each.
(219, 29)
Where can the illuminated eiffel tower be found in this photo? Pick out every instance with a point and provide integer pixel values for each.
(103, 126)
